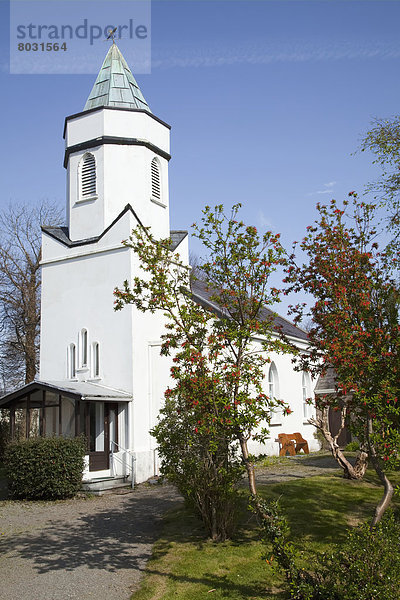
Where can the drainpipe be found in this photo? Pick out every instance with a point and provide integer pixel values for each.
(133, 465)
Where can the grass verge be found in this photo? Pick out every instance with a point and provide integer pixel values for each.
(186, 566)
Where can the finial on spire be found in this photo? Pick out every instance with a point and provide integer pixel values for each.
(111, 34)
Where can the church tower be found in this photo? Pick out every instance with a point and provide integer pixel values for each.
(116, 156)
(116, 153)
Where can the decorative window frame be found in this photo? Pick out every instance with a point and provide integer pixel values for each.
(95, 361)
(156, 198)
(83, 350)
(308, 409)
(94, 195)
(71, 362)
(273, 392)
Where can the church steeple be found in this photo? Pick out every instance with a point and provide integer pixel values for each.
(116, 154)
(115, 85)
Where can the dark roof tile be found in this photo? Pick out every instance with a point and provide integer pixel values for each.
(202, 295)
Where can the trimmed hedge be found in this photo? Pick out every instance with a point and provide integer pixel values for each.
(45, 468)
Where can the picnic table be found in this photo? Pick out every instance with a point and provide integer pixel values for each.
(292, 443)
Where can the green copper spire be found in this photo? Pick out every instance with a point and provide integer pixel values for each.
(115, 85)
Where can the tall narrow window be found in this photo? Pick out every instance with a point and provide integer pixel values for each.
(306, 392)
(273, 393)
(155, 180)
(83, 348)
(88, 176)
(71, 361)
(96, 360)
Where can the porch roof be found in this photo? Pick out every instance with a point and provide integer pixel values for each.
(79, 390)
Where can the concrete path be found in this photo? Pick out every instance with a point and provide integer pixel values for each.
(83, 549)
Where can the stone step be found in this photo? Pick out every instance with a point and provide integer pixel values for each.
(100, 485)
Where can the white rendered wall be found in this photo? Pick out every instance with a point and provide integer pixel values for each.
(123, 172)
(120, 123)
(77, 292)
(291, 392)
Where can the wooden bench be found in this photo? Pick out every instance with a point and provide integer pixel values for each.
(286, 444)
(301, 443)
(292, 443)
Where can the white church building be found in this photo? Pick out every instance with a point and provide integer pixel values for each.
(101, 373)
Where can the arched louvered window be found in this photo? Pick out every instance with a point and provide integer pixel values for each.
(155, 180)
(88, 176)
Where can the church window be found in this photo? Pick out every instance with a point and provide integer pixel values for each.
(71, 361)
(87, 177)
(83, 348)
(273, 393)
(95, 360)
(306, 392)
(155, 180)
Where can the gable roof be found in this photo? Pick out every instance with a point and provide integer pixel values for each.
(115, 85)
(326, 383)
(61, 234)
(202, 295)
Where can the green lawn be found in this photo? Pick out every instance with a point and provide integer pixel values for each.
(186, 566)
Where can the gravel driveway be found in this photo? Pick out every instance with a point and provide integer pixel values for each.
(84, 549)
(97, 548)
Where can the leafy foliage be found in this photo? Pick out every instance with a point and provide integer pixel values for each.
(365, 567)
(218, 367)
(302, 584)
(45, 468)
(205, 469)
(356, 326)
(352, 447)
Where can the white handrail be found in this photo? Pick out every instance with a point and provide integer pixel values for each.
(133, 459)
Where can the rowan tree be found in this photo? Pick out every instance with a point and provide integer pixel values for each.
(356, 327)
(218, 366)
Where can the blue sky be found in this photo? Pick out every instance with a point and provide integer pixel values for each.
(267, 102)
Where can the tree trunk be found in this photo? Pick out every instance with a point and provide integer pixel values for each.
(349, 472)
(215, 535)
(388, 490)
(249, 466)
(361, 464)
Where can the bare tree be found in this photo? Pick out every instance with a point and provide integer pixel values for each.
(20, 279)
(195, 263)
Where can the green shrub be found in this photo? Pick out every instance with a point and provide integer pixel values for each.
(367, 566)
(205, 469)
(45, 468)
(352, 447)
